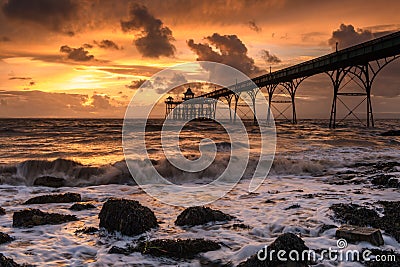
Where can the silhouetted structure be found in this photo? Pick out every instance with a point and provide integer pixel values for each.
(360, 63)
(190, 107)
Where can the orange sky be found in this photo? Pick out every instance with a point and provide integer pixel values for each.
(71, 58)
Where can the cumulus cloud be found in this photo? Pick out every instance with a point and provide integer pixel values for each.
(253, 26)
(136, 84)
(232, 52)
(269, 58)
(347, 36)
(155, 39)
(76, 54)
(46, 104)
(48, 13)
(107, 44)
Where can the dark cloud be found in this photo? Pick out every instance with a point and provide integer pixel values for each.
(107, 44)
(5, 39)
(76, 54)
(155, 39)
(87, 46)
(232, 52)
(253, 26)
(347, 36)
(32, 83)
(136, 84)
(269, 58)
(20, 78)
(135, 70)
(48, 13)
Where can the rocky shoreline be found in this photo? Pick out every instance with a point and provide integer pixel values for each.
(129, 217)
(364, 223)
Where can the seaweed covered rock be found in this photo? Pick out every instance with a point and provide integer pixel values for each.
(5, 238)
(2, 211)
(287, 242)
(82, 206)
(362, 216)
(180, 248)
(390, 222)
(355, 214)
(386, 180)
(49, 181)
(8, 262)
(87, 230)
(127, 216)
(55, 198)
(391, 133)
(34, 217)
(201, 215)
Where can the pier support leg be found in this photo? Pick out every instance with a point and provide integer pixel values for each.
(291, 87)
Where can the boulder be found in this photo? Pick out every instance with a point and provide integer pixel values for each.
(87, 230)
(126, 216)
(178, 249)
(34, 217)
(201, 215)
(2, 211)
(386, 180)
(55, 198)
(80, 206)
(8, 262)
(49, 181)
(5, 238)
(267, 257)
(354, 233)
(391, 133)
(354, 214)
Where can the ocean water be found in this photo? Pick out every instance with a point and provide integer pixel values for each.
(310, 159)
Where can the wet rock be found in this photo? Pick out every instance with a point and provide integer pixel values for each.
(126, 216)
(355, 234)
(49, 181)
(238, 226)
(294, 206)
(34, 217)
(80, 206)
(5, 238)
(269, 201)
(326, 227)
(179, 249)
(87, 230)
(390, 222)
(55, 198)
(362, 216)
(386, 166)
(201, 215)
(8, 262)
(355, 214)
(286, 242)
(391, 133)
(2, 211)
(385, 180)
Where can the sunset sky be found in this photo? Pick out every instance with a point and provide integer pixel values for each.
(69, 58)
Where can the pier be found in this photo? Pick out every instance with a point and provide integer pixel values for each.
(360, 63)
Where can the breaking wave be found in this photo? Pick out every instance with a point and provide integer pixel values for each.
(77, 174)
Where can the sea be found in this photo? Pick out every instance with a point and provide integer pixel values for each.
(313, 167)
